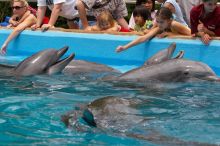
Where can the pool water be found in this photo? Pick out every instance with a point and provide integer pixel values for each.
(31, 110)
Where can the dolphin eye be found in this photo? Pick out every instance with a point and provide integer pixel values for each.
(186, 73)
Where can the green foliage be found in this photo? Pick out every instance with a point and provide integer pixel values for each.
(5, 10)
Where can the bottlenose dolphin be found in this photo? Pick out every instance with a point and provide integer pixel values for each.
(120, 115)
(163, 68)
(46, 61)
(174, 70)
(84, 67)
(162, 55)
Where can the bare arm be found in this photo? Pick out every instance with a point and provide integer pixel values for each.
(180, 29)
(82, 13)
(55, 14)
(30, 20)
(13, 22)
(53, 17)
(40, 16)
(204, 33)
(139, 40)
(123, 23)
(26, 14)
(115, 28)
(201, 28)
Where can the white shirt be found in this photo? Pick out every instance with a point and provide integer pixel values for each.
(67, 10)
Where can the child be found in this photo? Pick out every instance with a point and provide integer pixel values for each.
(105, 22)
(205, 20)
(142, 18)
(165, 26)
(150, 5)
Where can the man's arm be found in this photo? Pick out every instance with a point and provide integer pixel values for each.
(82, 13)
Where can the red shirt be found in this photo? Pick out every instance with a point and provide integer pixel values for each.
(211, 21)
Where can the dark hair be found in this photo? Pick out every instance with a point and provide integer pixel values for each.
(143, 12)
(140, 2)
(164, 13)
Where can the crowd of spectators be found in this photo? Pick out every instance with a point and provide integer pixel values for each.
(197, 18)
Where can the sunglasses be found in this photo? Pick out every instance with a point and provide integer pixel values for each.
(16, 7)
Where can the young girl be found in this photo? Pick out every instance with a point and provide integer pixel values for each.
(21, 19)
(142, 18)
(105, 22)
(149, 4)
(165, 26)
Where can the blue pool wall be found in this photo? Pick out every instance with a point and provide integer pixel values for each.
(101, 47)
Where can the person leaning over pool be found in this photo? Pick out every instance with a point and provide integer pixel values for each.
(116, 7)
(165, 26)
(205, 20)
(21, 19)
(64, 8)
(105, 22)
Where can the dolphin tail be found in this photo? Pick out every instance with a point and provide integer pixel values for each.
(58, 67)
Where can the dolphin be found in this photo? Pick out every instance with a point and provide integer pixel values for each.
(173, 70)
(162, 55)
(161, 67)
(46, 61)
(85, 67)
(121, 115)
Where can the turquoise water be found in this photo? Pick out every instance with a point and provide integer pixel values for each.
(31, 110)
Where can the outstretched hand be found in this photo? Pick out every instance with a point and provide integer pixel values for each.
(3, 49)
(119, 49)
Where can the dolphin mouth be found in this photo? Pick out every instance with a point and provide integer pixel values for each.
(68, 58)
(62, 51)
(60, 64)
(60, 54)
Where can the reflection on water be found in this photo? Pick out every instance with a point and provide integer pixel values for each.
(31, 109)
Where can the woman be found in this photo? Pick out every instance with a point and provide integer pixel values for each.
(21, 19)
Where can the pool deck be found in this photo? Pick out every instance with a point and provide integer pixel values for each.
(101, 47)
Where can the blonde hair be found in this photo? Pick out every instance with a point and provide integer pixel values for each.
(24, 2)
(105, 16)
